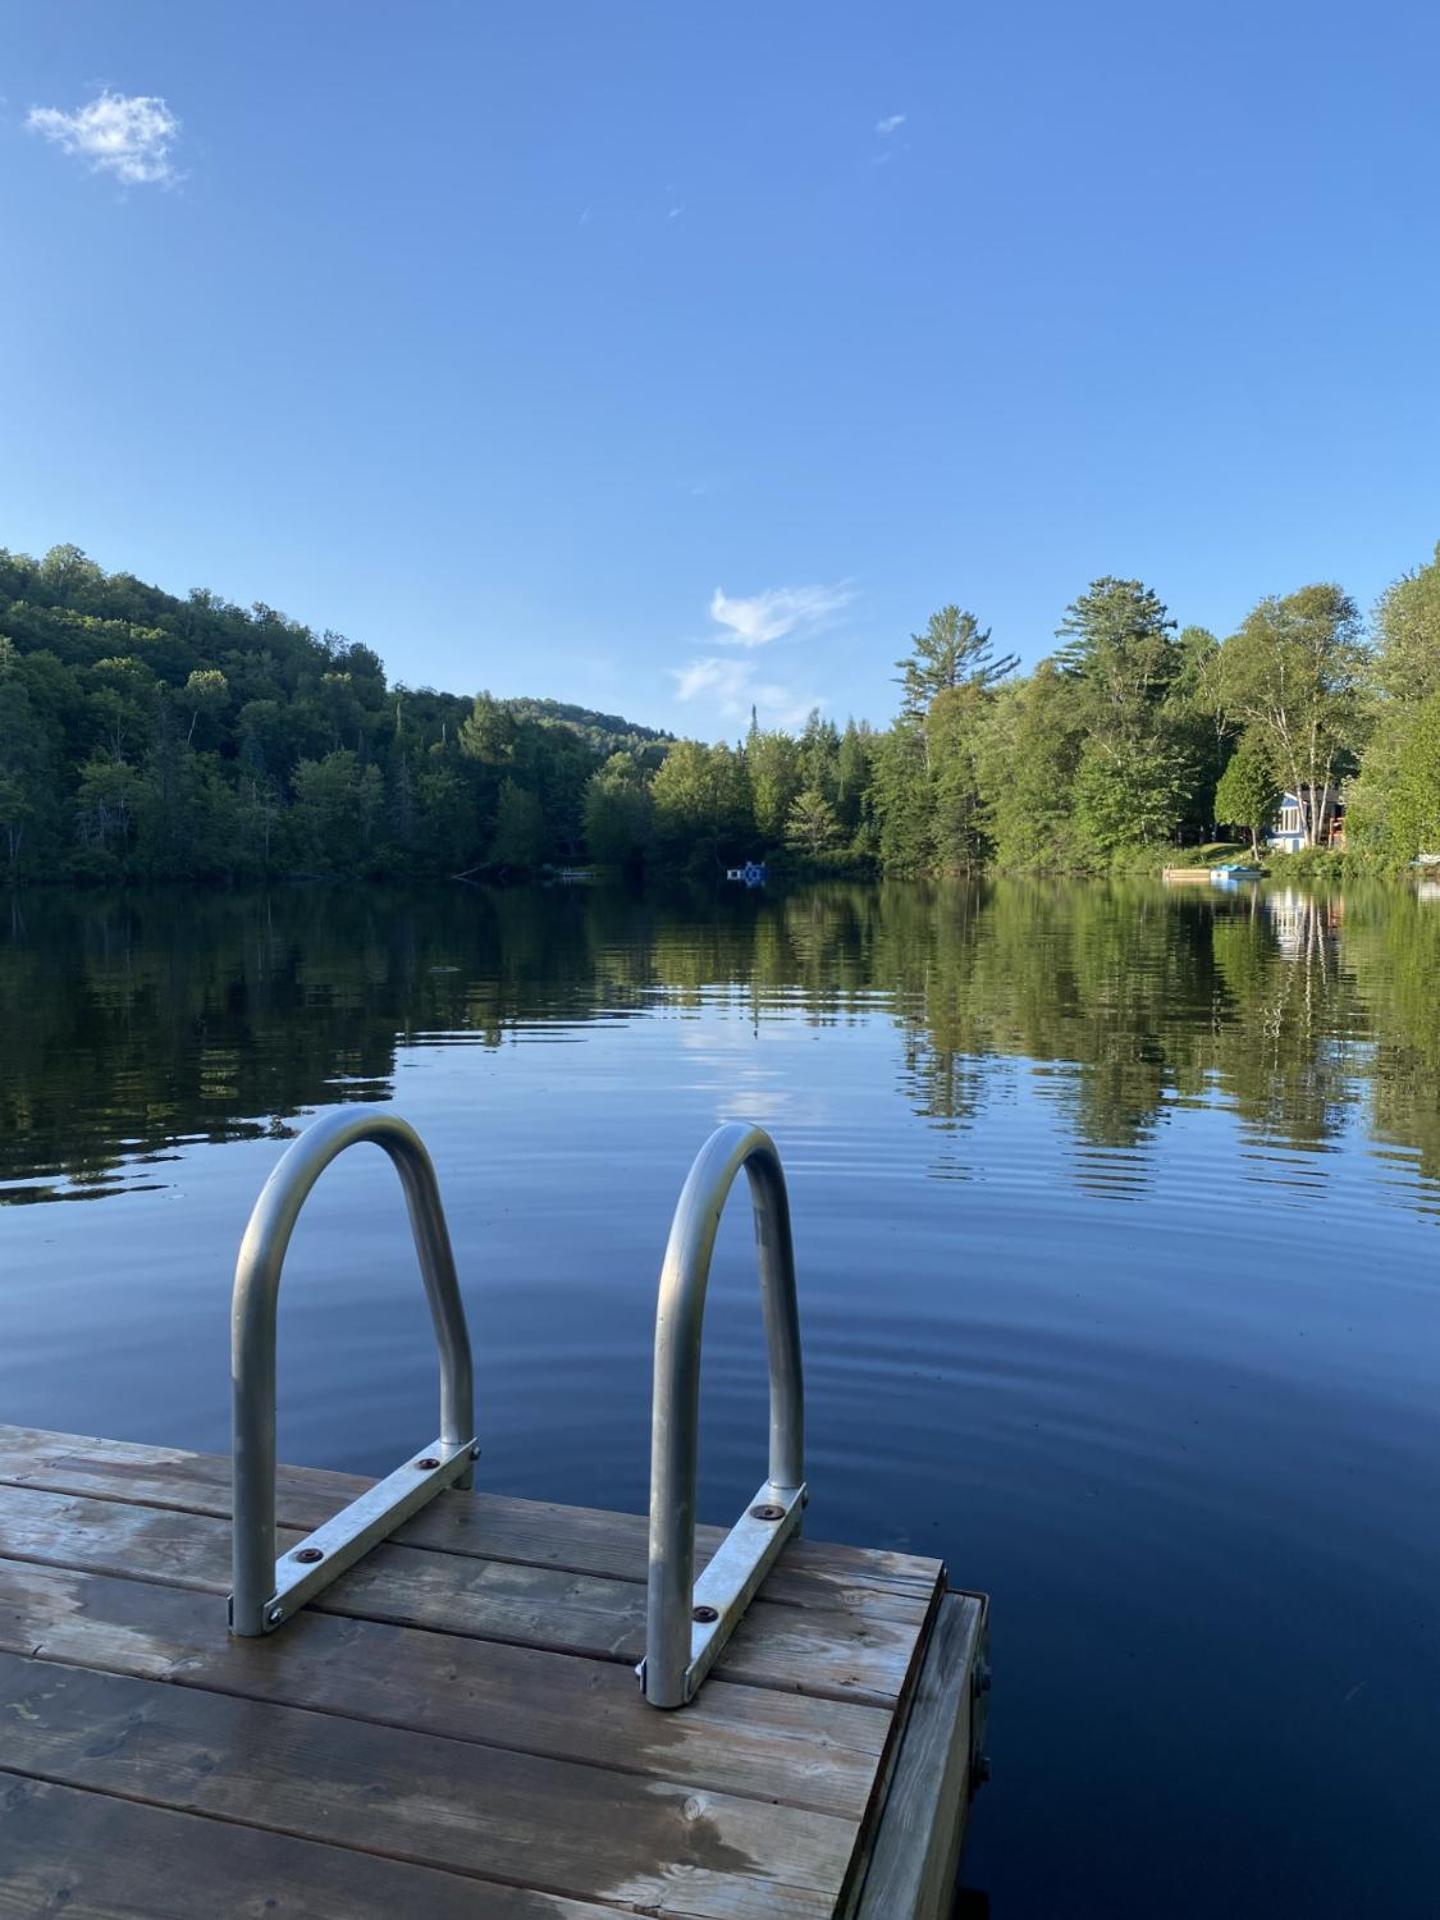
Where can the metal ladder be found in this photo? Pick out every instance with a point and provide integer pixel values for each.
(687, 1622)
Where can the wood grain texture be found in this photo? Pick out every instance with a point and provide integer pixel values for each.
(744, 1740)
(454, 1728)
(915, 1849)
(842, 1654)
(88, 1856)
(580, 1832)
(492, 1526)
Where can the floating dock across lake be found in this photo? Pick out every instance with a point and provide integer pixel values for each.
(433, 1708)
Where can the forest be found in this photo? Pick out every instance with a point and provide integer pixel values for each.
(148, 737)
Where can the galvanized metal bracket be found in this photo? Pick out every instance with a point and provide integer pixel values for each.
(689, 1622)
(268, 1591)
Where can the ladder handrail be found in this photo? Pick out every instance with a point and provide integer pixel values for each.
(687, 1624)
(267, 1591)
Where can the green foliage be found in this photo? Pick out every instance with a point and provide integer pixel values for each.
(702, 805)
(619, 815)
(336, 811)
(144, 736)
(774, 762)
(518, 845)
(1134, 773)
(1029, 762)
(819, 754)
(1408, 623)
(954, 740)
(953, 651)
(1118, 645)
(23, 771)
(812, 829)
(1408, 798)
(1129, 793)
(852, 774)
(1295, 675)
(900, 800)
(1248, 793)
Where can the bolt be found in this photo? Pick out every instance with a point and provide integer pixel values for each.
(427, 1462)
(309, 1555)
(767, 1513)
(275, 1616)
(980, 1772)
(475, 1451)
(705, 1615)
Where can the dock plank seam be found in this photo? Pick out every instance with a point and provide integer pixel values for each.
(138, 1761)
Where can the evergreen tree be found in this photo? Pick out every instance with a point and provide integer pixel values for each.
(953, 651)
(852, 775)
(1247, 794)
(1133, 776)
(812, 828)
(901, 801)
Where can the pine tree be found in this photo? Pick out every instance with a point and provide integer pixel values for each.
(953, 651)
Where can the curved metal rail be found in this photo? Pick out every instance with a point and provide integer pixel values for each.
(267, 1591)
(687, 1623)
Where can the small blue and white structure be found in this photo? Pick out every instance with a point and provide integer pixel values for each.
(754, 873)
(1288, 834)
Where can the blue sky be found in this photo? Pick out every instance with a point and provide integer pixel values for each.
(668, 357)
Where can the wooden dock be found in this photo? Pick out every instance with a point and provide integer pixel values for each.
(453, 1730)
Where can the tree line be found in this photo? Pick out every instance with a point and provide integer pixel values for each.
(145, 736)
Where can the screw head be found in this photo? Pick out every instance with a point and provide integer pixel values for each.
(427, 1463)
(767, 1513)
(475, 1451)
(275, 1616)
(704, 1615)
(309, 1555)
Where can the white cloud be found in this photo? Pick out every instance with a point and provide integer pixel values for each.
(129, 135)
(780, 613)
(892, 123)
(731, 684)
(725, 680)
(733, 687)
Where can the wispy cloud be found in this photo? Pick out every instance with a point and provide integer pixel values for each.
(129, 135)
(892, 123)
(734, 686)
(723, 680)
(780, 613)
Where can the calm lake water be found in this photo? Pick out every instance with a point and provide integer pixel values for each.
(1118, 1223)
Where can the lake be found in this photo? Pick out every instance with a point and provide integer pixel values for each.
(1117, 1215)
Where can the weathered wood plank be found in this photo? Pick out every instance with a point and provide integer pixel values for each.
(825, 1652)
(914, 1847)
(743, 1740)
(492, 1526)
(87, 1856)
(580, 1832)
